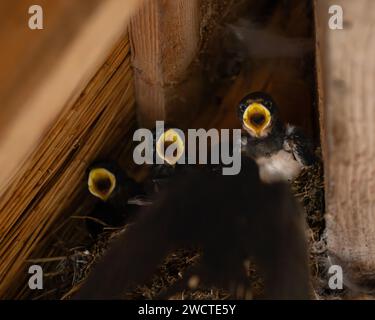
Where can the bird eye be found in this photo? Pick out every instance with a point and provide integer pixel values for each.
(101, 183)
(243, 107)
(170, 146)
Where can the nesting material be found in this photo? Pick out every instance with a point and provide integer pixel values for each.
(308, 187)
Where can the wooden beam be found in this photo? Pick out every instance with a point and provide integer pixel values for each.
(349, 148)
(51, 187)
(43, 69)
(165, 39)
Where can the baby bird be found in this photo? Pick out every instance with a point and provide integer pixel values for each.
(114, 190)
(169, 148)
(280, 150)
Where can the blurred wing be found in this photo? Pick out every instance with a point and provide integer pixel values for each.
(230, 218)
(131, 259)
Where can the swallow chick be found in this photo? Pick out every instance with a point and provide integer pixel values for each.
(116, 194)
(280, 150)
(169, 148)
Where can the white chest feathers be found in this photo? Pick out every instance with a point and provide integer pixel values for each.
(281, 166)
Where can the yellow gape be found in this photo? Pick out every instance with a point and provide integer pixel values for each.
(256, 118)
(167, 139)
(101, 183)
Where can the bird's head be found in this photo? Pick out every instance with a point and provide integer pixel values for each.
(170, 146)
(257, 112)
(101, 182)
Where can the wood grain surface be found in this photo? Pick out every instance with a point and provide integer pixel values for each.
(165, 39)
(43, 69)
(349, 136)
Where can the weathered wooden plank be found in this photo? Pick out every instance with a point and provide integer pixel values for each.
(349, 148)
(42, 69)
(165, 39)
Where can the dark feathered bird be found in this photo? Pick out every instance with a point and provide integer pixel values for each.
(280, 150)
(231, 219)
(113, 190)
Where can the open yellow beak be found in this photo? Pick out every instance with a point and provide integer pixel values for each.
(168, 138)
(256, 118)
(101, 183)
